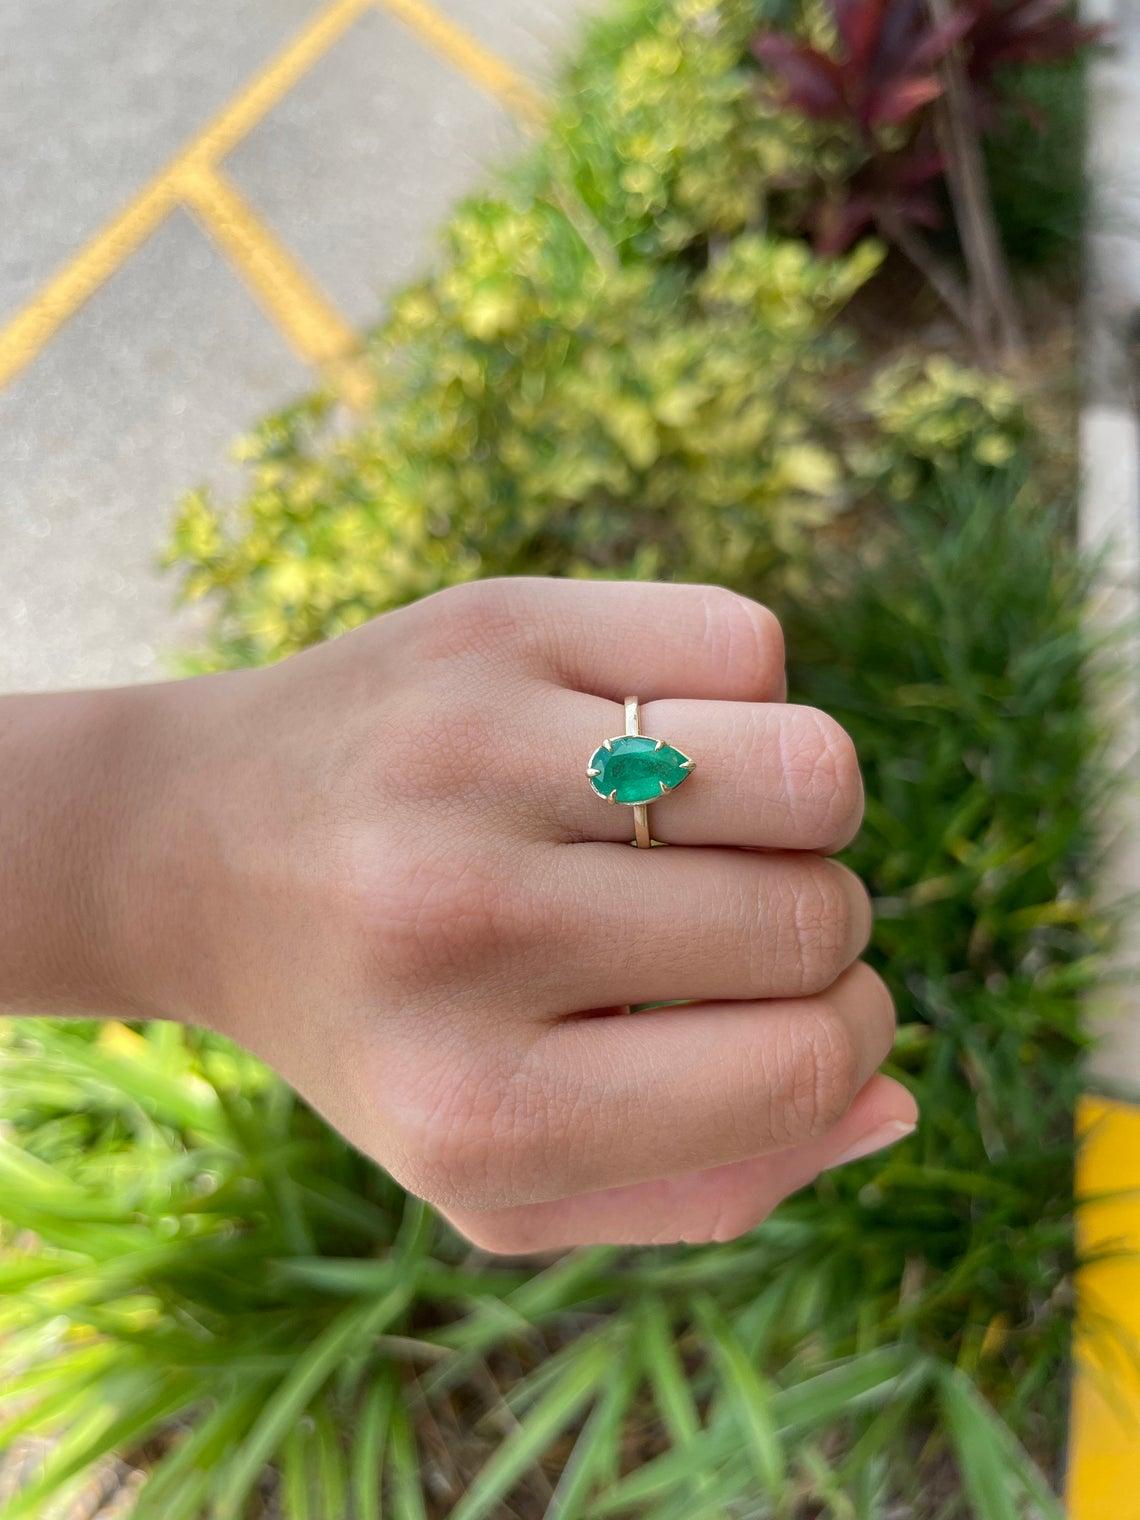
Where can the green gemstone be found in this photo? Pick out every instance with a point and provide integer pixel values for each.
(633, 769)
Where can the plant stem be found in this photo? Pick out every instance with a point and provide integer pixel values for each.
(993, 309)
(938, 276)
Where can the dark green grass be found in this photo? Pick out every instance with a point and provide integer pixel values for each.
(1034, 154)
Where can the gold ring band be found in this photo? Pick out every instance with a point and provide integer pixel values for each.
(634, 770)
(641, 837)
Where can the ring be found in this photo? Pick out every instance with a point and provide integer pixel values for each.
(634, 770)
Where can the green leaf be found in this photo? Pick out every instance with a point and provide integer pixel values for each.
(369, 1434)
(750, 1397)
(981, 1455)
(313, 1368)
(526, 1443)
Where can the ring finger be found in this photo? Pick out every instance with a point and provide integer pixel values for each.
(766, 775)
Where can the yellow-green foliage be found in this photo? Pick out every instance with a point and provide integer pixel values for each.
(663, 133)
(613, 372)
(935, 416)
(542, 413)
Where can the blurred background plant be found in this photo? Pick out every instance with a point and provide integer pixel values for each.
(910, 90)
(621, 368)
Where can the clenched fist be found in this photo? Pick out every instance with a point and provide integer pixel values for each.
(380, 865)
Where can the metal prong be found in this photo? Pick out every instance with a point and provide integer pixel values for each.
(592, 771)
(607, 744)
(613, 796)
(663, 787)
(687, 765)
(659, 745)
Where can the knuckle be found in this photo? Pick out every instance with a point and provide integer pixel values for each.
(459, 1131)
(741, 630)
(824, 780)
(432, 917)
(472, 618)
(824, 1074)
(439, 762)
(824, 900)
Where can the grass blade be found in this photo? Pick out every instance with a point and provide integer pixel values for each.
(367, 1458)
(981, 1457)
(405, 1490)
(549, 1416)
(749, 1395)
(313, 1368)
(593, 1457)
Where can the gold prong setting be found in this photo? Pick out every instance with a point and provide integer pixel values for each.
(633, 770)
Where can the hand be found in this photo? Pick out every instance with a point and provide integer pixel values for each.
(380, 866)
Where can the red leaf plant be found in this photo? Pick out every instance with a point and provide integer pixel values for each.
(1005, 32)
(879, 83)
(889, 192)
(883, 73)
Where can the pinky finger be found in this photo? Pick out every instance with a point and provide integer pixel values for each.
(698, 1207)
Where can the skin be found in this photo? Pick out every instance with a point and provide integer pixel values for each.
(379, 866)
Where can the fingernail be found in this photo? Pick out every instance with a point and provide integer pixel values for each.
(877, 1140)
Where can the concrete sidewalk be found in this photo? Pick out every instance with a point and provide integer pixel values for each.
(201, 206)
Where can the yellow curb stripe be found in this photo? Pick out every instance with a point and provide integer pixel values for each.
(23, 337)
(471, 58)
(290, 298)
(1104, 1435)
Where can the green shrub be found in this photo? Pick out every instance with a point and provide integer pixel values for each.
(1035, 164)
(936, 419)
(660, 129)
(211, 1262)
(539, 412)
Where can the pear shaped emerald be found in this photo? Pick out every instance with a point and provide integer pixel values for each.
(633, 769)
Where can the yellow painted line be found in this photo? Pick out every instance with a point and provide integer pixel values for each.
(237, 119)
(23, 337)
(481, 66)
(1104, 1437)
(290, 298)
(277, 278)
(63, 295)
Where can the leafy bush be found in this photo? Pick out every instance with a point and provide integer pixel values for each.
(211, 1263)
(660, 132)
(541, 413)
(1035, 164)
(937, 419)
(873, 72)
